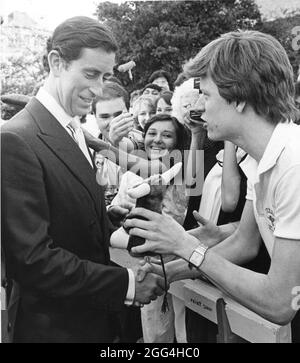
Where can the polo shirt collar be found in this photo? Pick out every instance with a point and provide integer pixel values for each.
(275, 147)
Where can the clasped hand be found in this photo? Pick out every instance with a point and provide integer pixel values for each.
(149, 283)
(162, 234)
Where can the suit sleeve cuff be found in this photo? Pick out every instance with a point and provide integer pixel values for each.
(131, 288)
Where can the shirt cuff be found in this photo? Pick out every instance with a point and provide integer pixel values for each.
(131, 288)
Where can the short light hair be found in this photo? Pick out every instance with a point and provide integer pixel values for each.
(138, 102)
(249, 66)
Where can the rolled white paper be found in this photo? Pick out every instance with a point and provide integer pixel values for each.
(126, 66)
(139, 191)
(170, 174)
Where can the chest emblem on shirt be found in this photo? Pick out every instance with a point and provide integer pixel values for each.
(269, 214)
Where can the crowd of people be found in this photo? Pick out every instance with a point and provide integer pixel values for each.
(71, 156)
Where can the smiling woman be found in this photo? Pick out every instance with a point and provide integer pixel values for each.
(163, 133)
(160, 137)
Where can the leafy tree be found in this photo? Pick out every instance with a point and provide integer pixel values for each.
(23, 71)
(281, 29)
(164, 34)
(22, 74)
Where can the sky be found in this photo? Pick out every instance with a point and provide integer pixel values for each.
(50, 13)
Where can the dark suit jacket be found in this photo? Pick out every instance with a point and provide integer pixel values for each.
(56, 234)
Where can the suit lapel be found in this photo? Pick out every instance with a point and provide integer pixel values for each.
(63, 146)
(92, 156)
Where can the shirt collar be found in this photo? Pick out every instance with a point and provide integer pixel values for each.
(47, 100)
(276, 145)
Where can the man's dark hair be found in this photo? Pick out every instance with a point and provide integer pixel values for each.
(74, 34)
(153, 86)
(111, 91)
(161, 73)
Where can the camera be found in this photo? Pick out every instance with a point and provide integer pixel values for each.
(197, 83)
(195, 115)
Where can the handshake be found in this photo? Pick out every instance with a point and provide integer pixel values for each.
(149, 282)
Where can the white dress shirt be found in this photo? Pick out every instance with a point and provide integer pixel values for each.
(64, 119)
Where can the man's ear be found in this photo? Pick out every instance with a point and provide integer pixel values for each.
(55, 62)
(240, 106)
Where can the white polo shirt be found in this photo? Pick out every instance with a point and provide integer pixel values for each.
(276, 181)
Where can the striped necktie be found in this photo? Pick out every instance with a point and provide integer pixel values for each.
(77, 135)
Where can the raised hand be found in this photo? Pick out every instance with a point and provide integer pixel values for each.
(208, 232)
(194, 127)
(162, 233)
(120, 127)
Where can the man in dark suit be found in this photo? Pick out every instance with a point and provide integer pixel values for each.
(55, 228)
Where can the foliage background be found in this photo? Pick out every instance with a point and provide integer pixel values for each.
(156, 34)
(22, 67)
(164, 34)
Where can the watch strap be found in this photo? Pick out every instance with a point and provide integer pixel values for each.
(201, 250)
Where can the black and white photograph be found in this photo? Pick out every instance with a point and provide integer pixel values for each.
(150, 174)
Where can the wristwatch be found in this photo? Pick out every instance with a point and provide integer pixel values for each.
(197, 256)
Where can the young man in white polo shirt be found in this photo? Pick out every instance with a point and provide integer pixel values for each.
(247, 82)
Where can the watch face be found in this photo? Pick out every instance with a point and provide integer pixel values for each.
(196, 258)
